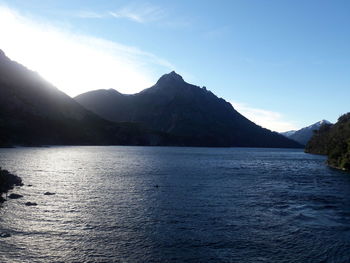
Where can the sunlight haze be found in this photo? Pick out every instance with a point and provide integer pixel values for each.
(278, 70)
(75, 63)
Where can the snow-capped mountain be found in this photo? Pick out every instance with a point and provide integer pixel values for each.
(304, 135)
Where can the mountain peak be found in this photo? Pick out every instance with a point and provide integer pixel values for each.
(318, 124)
(171, 77)
(2, 53)
(324, 122)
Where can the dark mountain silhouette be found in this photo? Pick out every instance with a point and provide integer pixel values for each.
(303, 135)
(333, 141)
(183, 110)
(33, 112)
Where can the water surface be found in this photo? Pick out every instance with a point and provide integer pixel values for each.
(168, 204)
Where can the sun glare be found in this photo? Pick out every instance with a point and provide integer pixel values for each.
(74, 63)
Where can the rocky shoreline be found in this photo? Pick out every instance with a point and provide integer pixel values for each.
(337, 167)
(7, 182)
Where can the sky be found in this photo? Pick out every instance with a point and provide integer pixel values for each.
(284, 64)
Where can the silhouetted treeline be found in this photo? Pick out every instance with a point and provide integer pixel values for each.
(334, 141)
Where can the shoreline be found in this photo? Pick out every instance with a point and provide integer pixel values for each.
(7, 182)
(328, 162)
(336, 167)
(138, 145)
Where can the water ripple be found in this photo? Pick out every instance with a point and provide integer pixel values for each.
(160, 204)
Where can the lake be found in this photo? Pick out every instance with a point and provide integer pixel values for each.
(169, 204)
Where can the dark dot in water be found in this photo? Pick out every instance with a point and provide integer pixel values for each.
(4, 235)
(31, 204)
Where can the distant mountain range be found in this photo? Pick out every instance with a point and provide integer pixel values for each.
(185, 111)
(334, 141)
(303, 135)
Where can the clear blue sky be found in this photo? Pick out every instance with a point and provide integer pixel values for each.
(284, 61)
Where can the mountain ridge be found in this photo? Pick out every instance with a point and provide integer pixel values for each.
(171, 112)
(182, 109)
(34, 112)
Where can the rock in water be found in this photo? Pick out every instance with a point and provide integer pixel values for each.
(31, 204)
(15, 196)
(7, 182)
(4, 235)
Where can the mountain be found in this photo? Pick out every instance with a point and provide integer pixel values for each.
(303, 135)
(288, 133)
(334, 141)
(183, 110)
(33, 112)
